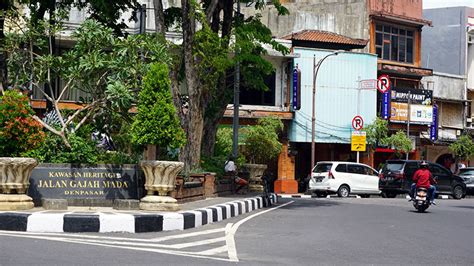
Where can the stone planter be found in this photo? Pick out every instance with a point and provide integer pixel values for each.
(255, 176)
(160, 178)
(14, 182)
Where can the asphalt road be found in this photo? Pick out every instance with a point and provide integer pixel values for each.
(297, 232)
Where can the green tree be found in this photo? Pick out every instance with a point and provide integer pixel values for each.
(400, 142)
(462, 148)
(156, 121)
(203, 63)
(261, 143)
(18, 131)
(377, 132)
(107, 12)
(109, 69)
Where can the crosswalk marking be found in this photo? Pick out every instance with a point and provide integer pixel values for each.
(226, 252)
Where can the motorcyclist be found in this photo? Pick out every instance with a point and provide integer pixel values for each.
(423, 178)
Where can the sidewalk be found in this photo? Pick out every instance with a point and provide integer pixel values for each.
(105, 220)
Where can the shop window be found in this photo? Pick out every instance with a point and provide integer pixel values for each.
(394, 43)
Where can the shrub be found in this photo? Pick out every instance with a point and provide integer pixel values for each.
(19, 132)
(261, 141)
(53, 150)
(156, 121)
(223, 146)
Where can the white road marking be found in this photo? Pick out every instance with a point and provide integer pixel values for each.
(153, 245)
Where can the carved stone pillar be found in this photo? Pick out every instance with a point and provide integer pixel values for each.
(160, 178)
(255, 176)
(14, 182)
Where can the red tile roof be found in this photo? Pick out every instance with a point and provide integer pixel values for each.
(324, 37)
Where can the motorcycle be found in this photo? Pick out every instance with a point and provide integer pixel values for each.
(421, 201)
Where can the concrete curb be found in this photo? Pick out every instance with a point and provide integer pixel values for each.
(131, 223)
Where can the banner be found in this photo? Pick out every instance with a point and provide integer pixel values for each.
(420, 109)
(296, 88)
(434, 124)
(386, 105)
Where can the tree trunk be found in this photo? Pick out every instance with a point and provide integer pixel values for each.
(159, 17)
(214, 113)
(216, 107)
(191, 153)
(4, 6)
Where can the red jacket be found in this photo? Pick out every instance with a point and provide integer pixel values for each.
(423, 178)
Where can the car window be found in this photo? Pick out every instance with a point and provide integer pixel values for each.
(322, 167)
(466, 172)
(410, 169)
(369, 171)
(437, 170)
(393, 166)
(355, 169)
(342, 168)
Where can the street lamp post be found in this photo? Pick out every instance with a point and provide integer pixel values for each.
(313, 116)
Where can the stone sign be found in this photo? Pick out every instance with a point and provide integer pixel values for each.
(81, 184)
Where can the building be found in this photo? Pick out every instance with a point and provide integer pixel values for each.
(393, 29)
(339, 97)
(448, 48)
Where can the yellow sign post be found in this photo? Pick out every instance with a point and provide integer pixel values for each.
(358, 140)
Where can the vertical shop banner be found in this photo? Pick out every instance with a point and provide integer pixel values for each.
(296, 88)
(386, 105)
(434, 124)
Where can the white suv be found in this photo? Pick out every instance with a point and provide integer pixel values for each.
(343, 178)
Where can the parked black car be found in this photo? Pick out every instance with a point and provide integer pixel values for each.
(396, 178)
(467, 174)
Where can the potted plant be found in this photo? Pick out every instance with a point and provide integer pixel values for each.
(261, 145)
(18, 134)
(156, 123)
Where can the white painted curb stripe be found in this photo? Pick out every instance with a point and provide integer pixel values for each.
(173, 221)
(236, 208)
(228, 212)
(197, 218)
(116, 223)
(45, 222)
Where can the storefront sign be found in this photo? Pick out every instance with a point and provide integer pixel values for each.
(296, 88)
(386, 105)
(63, 181)
(420, 110)
(434, 124)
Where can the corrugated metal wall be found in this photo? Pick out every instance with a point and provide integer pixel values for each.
(336, 95)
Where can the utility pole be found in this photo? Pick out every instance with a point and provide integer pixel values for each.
(235, 135)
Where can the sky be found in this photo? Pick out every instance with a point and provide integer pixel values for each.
(446, 3)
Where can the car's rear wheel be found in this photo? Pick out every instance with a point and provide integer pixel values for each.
(343, 191)
(457, 192)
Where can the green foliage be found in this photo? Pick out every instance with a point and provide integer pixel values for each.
(400, 142)
(214, 57)
(156, 121)
(463, 147)
(224, 143)
(261, 141)
(53, 150)
(18, 131)
(377, 132)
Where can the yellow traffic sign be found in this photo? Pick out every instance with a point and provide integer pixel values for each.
(358, 140)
